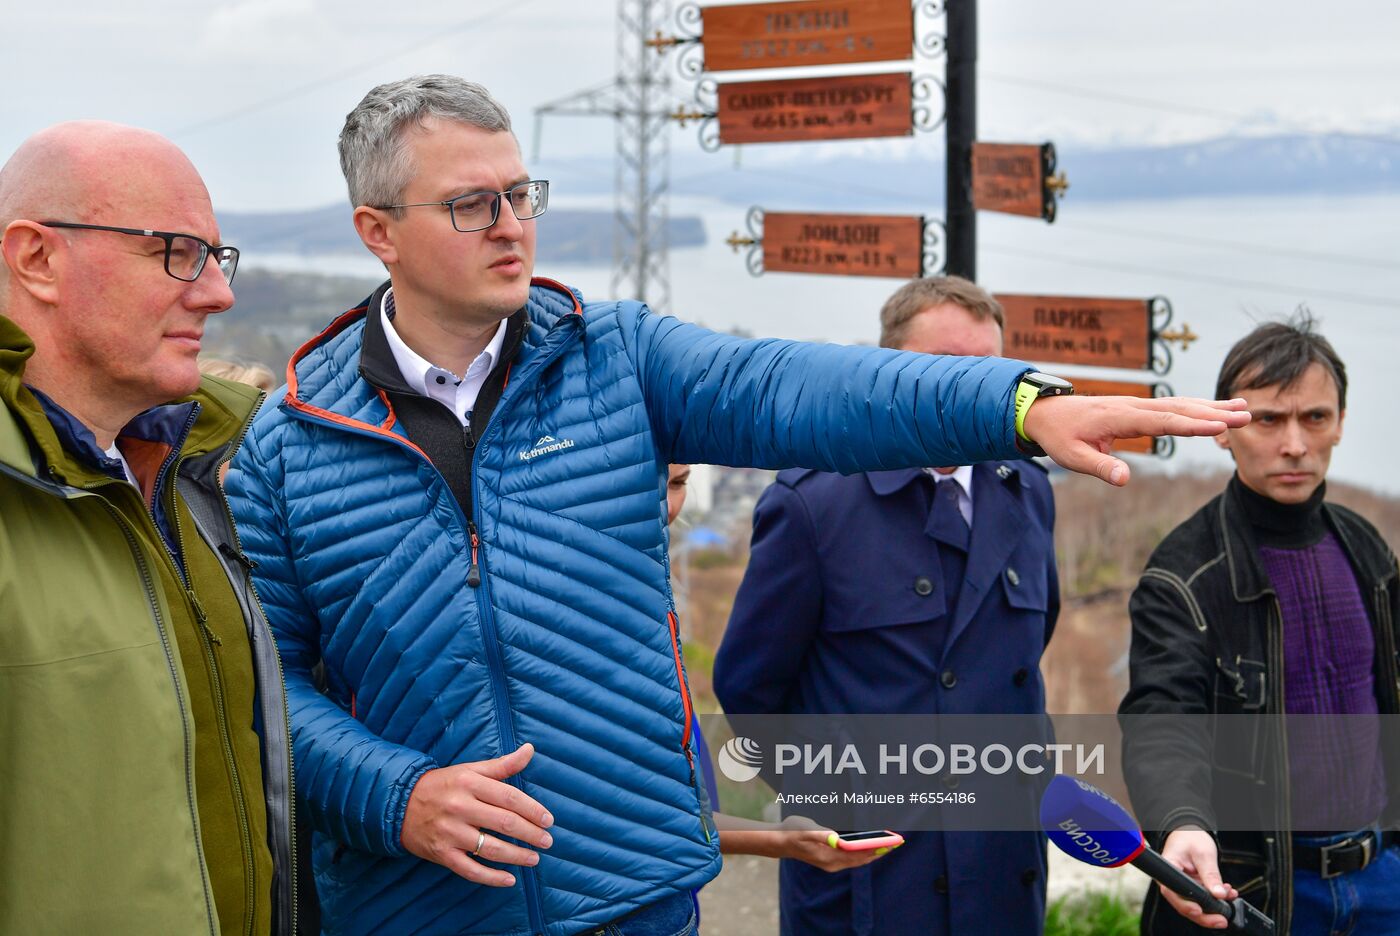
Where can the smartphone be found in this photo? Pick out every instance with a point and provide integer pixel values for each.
(860, 841)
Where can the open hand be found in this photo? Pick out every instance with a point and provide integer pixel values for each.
(1078, 431)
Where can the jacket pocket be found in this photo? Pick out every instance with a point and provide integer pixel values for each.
(1247, 873)
(1240, 688)
(1026, 589)
(674, 624)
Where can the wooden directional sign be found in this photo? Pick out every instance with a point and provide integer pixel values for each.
(811, 32)
(844, 245)
(1073, 330)
(832, 108)
(1145, 445)
(1011, 177)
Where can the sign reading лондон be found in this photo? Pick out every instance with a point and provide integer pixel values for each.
(843, 245)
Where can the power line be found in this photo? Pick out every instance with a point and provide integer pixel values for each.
(301, 90)
(1384, 302)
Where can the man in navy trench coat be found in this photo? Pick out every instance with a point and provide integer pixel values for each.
(865, 595)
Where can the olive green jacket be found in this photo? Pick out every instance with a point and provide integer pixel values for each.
(99, 830)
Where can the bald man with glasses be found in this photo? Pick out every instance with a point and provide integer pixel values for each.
(145, 769)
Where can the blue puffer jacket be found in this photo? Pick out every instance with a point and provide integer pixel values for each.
(570, 642)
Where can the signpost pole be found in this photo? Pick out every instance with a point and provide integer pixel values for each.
(961, 217)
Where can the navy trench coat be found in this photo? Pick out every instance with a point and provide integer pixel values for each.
(843, 610)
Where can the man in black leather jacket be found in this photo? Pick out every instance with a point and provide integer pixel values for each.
(1270, 600)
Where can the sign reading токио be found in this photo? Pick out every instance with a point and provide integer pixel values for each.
(830, 108)
(1010, 178)
(843, 245)
(826, 32)
(1075, 330)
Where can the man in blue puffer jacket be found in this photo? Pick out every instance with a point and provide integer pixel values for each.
(457, 509)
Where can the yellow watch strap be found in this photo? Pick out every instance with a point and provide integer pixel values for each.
(1026, 394)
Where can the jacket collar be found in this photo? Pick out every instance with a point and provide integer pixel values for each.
(1249, 580)
(325, 376)
(380, 367)
(885, 483)
(44, 439)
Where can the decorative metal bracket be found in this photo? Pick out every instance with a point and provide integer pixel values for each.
(1159, 317)
(754, 241)
(706, 112)
(1164, 446)
(1054, 185)
(923, 117)
(690, 59)
(933, 257)
(927, 42)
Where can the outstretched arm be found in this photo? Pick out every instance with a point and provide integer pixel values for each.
(767, 403)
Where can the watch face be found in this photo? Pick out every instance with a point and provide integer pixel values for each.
(1049, 383)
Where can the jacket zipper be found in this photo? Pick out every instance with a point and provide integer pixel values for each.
(1387, 637)
(534, 902)
(207, 640)
(1284, 824)
(688, 710)
(686, 704)
(242, 558)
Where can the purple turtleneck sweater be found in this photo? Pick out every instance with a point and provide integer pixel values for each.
(1337, 777)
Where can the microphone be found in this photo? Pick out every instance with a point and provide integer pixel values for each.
(1090, 826)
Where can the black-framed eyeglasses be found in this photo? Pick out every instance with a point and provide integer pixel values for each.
(477, 211)
(185, 254)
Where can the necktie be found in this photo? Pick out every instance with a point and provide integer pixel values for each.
(951, 532)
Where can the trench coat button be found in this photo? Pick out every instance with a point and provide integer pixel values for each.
(948, 679)
(1020, 676)
(441, 379)
(1029, 876)
(940, 884)
(923, 587)
(1013, 577)
(950, 781)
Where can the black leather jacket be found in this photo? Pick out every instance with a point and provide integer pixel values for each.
(1207, 640)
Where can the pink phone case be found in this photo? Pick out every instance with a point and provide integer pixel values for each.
(888, 840)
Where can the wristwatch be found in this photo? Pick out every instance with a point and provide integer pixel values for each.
(1032, 387)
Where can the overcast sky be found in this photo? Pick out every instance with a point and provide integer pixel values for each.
(256, 90)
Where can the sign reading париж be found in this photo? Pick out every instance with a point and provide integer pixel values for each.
(1077, 330)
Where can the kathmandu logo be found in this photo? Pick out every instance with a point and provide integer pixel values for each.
(740, 759)
(547, 445)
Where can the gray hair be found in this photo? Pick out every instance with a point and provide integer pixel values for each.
(374, 153)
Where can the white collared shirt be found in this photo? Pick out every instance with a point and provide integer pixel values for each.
(963, 475)
(422, 376)
(115, 454)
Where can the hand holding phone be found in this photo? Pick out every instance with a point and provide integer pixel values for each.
(863, 841)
